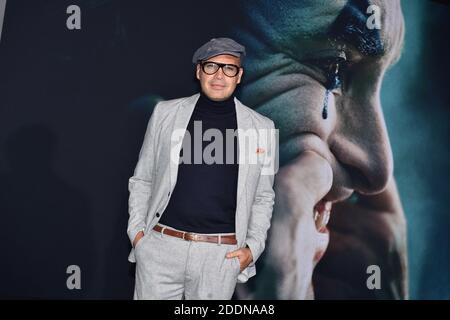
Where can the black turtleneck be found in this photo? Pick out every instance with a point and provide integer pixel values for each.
(204, 197)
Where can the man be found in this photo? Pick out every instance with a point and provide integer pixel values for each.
(198, 227)
(316, 69)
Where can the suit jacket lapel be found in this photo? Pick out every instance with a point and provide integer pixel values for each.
(182, 118)
(243, 123)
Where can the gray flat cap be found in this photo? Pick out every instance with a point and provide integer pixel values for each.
(217, 46)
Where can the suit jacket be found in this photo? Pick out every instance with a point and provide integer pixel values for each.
(155, 174)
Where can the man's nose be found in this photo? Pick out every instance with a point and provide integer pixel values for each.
(361, 145)
(219, 74)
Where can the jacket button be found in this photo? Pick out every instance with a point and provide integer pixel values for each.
(157, 214)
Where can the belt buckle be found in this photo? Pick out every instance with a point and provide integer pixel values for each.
(189, 236)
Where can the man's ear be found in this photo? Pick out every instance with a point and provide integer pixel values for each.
(241, 72)
(197, 73)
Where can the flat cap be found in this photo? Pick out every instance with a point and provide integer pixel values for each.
(217, 46)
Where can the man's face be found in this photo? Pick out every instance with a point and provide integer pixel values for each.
(218, 86)
(290, 79)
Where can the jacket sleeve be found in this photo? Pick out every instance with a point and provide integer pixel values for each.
(262, 207)
(140, 184)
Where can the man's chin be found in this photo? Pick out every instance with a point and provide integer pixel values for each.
(215, 95)
(219, 99)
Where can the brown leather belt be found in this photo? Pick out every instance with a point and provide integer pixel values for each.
(189, 236)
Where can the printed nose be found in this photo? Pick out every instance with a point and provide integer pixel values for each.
(369, 168)
(363, 149)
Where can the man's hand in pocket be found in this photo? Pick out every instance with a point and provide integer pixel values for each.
(137, 238)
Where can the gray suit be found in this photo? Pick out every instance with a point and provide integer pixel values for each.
(155, 175)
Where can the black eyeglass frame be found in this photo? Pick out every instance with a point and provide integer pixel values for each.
(221, 65)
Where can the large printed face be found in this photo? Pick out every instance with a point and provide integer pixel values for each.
(316, 68)
(218, 86)
(293, 64)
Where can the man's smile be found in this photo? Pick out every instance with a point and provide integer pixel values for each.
(217, 86)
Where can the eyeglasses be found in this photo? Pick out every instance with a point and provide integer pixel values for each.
(230, 70)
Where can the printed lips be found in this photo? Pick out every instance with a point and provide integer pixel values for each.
(322, 214)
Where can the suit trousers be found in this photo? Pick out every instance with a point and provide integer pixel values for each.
(170, 268)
